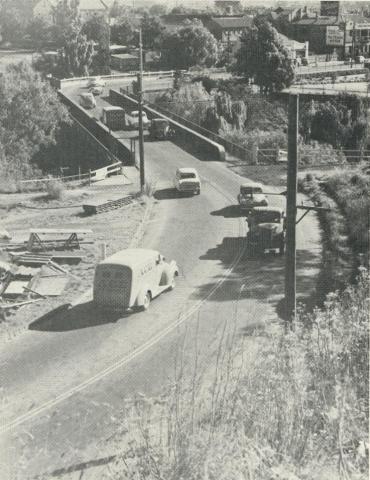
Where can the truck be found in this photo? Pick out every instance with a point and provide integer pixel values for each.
(114, 117)
(251, 195)
(266, 230)
(160, 129)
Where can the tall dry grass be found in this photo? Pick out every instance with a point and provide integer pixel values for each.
(295, 409)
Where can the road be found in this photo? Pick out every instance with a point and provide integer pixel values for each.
(65, 380)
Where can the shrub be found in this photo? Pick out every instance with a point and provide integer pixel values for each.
(55, 189)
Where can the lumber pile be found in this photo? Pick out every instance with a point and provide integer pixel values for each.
(94, 208)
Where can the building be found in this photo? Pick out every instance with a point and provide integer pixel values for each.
(294, 48)
(228, 30)
(228, 7)
(125, 62)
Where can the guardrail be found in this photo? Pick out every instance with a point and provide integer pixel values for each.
(133, 74)
(91, 176)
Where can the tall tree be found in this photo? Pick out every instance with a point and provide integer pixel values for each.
(39, 31)
(190, 45)
(75, 57)
(31, 115)
(67, 20)
(96, 30)
(158, 9)
(123, 32)
(263, 58)
(152, 31)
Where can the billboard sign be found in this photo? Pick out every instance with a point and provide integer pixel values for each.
(334, 37)
(330, 9)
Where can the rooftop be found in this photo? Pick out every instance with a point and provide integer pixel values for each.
(233, 22)
(319, 21)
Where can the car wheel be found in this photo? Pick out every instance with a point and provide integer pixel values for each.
(173, 283)
(197, 192)
(282, 247)
(147, 300)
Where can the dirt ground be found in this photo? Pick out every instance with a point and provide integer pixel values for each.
(115, 229)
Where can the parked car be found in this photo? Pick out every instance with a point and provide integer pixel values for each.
(266, 230)
(87, 100)
(187, 181)
(96, 82)
(132, 278)
(251, 195)
(132, 120)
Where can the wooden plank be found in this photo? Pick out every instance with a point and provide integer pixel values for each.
(60, 231)
(5, 306)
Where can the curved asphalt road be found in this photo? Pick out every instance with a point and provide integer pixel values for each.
(65, 380)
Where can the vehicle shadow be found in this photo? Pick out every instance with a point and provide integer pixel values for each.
(64, 318)
(166, 194)
(259, 278)
(231, 211)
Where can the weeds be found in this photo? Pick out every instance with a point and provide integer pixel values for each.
(298, 409)
(55, 189)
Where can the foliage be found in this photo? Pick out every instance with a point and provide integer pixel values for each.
(314, 153)
(152, 32)
(341, 122)
(295, 407)
(55, 189)
(67, 21)
(263, 58)
(351, 191)
(30, 117)
(75, 57)
(12, 27)
(96, 29)
(123, 31)
(39, 31)
(158, 9)
(207, 82)
(189, 45)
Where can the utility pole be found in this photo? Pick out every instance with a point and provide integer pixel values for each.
(291, 209)
(141, 128)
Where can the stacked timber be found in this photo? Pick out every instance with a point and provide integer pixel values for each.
(94, 208)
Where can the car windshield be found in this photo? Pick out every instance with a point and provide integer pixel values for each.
(187, 175)
(135, 114)
(250, 190)
(267, 217)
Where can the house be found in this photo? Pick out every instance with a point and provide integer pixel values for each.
(294, 48)
(228, 7)
(228, 29)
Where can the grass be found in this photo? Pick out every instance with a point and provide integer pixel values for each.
(337, 259)
(297, 409)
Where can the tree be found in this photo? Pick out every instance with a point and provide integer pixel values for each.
(123, 32)
(96, 29)
(263, 58)
(31, 115)
(11, 23)
(190, 45)
(67, 20)
(152, 32)
(39, 31)
(75, 57)
(158, 9)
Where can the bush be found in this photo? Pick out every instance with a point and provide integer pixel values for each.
(55, 189)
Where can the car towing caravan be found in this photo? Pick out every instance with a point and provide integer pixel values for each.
(132, 278)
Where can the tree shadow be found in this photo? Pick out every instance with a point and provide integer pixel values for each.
(231, 211)
(64, 318)
(258, 278)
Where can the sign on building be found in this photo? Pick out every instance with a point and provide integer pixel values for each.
(330, 9)
(334, 36)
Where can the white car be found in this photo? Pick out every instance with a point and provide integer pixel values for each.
(87, 100)
(96, 90)
(133, 119)
(187, 181)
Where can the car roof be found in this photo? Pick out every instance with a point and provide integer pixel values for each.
(110, 109)
(251, 184)
(131, 257)
(86, 95)
(186, 170)
(268, 209)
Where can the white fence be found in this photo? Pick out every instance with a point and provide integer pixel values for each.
(91, 176)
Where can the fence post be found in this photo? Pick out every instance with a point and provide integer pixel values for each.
(89, 177)
(277, 154)
(255, 153)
